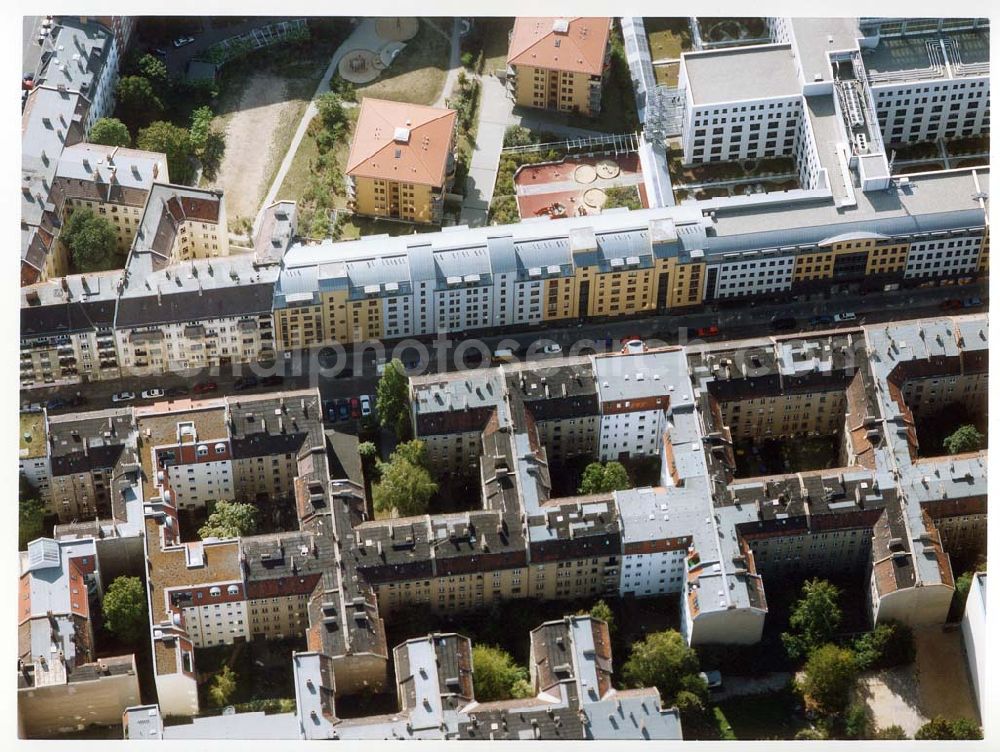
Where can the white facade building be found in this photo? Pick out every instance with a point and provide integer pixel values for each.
(974, 635)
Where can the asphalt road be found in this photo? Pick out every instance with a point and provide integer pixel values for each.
(324, 367)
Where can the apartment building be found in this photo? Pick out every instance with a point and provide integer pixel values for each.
(402, 161)
(81, 56)
(628, 263)
(741, 103)
(33, 463)
(67, 330)
(559, 63)
(59, 585)
(87, 452)
(974, 635)
(570, 672)
(123, 27)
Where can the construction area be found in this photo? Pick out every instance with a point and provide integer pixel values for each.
(577, 186)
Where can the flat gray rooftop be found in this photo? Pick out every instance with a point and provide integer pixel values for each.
(815, 38)
(905, 59)
(762, 72)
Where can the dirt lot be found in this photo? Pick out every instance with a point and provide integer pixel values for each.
(250, 134)
(937, 683)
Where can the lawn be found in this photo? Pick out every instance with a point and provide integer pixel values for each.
(775, 715)
(667, 75)
(417, 75)
(357, 226)
(668, 37)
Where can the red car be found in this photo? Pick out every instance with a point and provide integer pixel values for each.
(205, 386)
(355, 407)
(708, 331)
(950, 305)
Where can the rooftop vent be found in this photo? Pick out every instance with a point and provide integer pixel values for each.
(401, 135)
(560, 25)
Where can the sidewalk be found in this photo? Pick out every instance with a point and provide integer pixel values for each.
(495, 109)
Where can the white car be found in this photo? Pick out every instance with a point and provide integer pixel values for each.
(181, 41)
(152, 393)
(839, 317)
(552, 349)
(366, 405)
(123, 397)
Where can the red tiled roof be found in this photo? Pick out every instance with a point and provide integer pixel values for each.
(580, 49)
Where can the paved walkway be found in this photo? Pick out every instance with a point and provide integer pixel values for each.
(538, 120)
(454, 65)
(363, 37)
(495, 109)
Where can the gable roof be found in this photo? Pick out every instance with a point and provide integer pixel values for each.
(581, 48)
(419, 156)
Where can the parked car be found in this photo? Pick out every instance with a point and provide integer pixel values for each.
(273, 380)
(55, 403)
(366, 405)
(123, 397)
(34, 407)
(633, 345)
(153, 393)
(343, 409)
(842, 317)
(552, 349)
(176, 391)
(950, 305)
(204, 387)
(783, 323)
(245, 382)
(821, 320)
(708, 331)
(330, 411)
(355, 407)
(182, 41)
(972, 303)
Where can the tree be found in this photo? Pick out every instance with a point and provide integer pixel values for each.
(662, 660)
(201, 126)
(153, 69)
(521, 689)
(230, 519)
(830, 674)
(965, 439)
(814, 620)
(889, 644)
(941, 728)
(856, 722)
(811, 734)
(392, 399)
(494, 674)
(109, 131)
(207, 143)
(138, 103)
(92, 241)
(331, 113)
(173, 141)
(892, 732)
(602, 611)
(598, 478)
(124, 608)
(223, 687)
(404, 485)
(690, 706)
(31, 510)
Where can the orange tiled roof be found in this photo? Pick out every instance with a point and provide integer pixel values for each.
(580, 49)
(422, 159)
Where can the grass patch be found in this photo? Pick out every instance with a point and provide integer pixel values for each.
(667, 75)
(667, 37)
(418, 73)
(355, 226)
(775, 715)
(725, 729)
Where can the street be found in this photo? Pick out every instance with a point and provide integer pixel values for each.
(323, 366)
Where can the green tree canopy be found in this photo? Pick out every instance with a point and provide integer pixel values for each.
(602, 611)
(814, 620)
(392, 399)
(965, 439)
(173, 141)
(662, 660)
(208, 144)
(124, 609)
(604, 478)
(404, 484)
(31, 518)
(109, 131)
(494, 674)
(153, 70)
(230, 519)
(138, 102)
(942, 728)
(893, 732)
(331, 113)
(831, 672)
(92, 241)
(521, 689)
(223, 687)
(889, 644)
